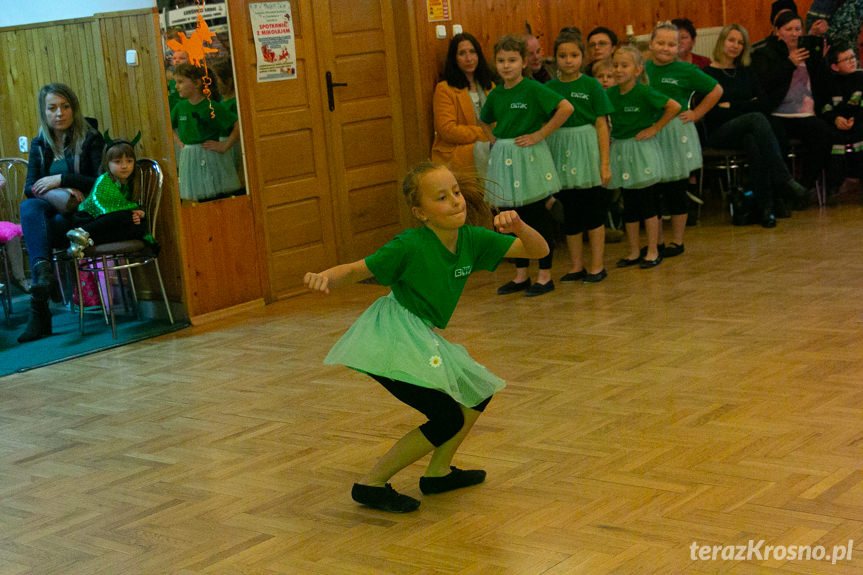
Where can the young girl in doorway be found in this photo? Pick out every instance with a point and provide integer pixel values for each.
(526, 113)
(109, 214)
(205, 170)
(394, 340)
(636, 159)
(224, 71)
(580, 152)
(679, 140)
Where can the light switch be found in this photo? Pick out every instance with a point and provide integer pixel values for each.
(440, 31)
(23, 144)
(132, 57)
(456, 29)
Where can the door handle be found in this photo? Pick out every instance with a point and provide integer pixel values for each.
(330, 86)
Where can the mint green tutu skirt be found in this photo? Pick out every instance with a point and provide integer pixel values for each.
(681, 150)
(524, 174)
(206, 174)
(576, 156)
(634, 164)
(390, 341)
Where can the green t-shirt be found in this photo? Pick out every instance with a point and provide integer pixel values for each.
(678, 80)
(520, 110)
(194, 124)
(426, 277)
(634, 111)
(587, 97)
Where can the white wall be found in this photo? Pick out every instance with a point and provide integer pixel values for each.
(17, 12)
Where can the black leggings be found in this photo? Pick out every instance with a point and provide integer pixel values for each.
(674, 196)
(444, 413)
(536, 216)
(108, 228)
(583, 209)
(639, 204)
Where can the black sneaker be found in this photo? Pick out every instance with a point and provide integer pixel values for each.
(456, 479)
(384, 498)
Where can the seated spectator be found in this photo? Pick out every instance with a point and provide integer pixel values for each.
(601, 43)
(794, 77)
(737, 121)
(687, 33)
(537, 67)
(461, 140)
(845, 110)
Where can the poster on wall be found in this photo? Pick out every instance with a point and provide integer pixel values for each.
(438, 10)
(273, 30)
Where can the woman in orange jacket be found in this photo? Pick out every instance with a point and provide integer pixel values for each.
(461, 140)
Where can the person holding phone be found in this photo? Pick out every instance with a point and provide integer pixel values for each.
(793, 73)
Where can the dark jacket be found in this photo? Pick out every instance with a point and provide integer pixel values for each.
(846, 97)
(41, 156)
(741, 89)
(773, 68)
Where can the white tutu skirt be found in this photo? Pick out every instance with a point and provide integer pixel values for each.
(525, 174)
(576, 156)
(205, 174)
(681, 150)
(634, 164)
(390, 341)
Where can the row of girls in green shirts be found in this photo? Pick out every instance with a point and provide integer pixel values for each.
(650, 149)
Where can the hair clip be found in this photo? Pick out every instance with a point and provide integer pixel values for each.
(110, 142)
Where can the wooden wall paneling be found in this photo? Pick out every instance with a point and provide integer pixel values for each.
(283, 133)
(138, 101)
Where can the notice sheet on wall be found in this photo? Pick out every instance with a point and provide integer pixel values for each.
(273, 30)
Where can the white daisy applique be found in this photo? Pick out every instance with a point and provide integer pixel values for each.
(625, 176)
(646, 170)
(435, 361)
(684, 139)
(567, 153)
(516, 184)
(573, 170)
(689, 155)
(531, 158)
(563, 169)
(548, 175)
(508, 161)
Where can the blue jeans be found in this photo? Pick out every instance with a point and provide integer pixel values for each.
(44, 229)
(753, 133)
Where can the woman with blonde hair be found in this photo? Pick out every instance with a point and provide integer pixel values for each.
(739, 120)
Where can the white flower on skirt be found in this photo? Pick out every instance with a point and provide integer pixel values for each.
(516, 184)
(563, 168)
(567, 153)
(625, 176)
(573, 170)
(531, 158)
(689, 154)
(508, 161)
(548, 175)
(646, 170)
(684, 139)
(435, 361)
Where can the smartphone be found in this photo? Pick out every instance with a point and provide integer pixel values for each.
(814, 44)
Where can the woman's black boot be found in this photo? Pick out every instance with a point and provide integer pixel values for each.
(39, 324)
(43, 282)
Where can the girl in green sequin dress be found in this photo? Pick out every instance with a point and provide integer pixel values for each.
(108, 214)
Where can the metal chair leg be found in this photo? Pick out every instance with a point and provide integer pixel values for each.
(164, 295)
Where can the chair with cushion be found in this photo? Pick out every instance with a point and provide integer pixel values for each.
(118, 256)
(14, 174)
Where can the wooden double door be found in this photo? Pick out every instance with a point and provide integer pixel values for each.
(323, 168)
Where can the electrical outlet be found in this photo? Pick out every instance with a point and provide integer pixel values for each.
(456, 29)
(440, 31)
(23, 145)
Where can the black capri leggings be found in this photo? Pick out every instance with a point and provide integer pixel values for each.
(674, 196)
(536, 216)
(444, 413)
(639, 204)
(583, 209)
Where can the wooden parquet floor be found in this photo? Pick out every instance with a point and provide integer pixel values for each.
(716, 399)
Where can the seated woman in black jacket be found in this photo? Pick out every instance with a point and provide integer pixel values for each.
(738, 121)
(793, 73)
(66, 154)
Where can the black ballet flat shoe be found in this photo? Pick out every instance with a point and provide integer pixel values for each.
(513, 287)
(455, 479)
(595, 278)
(574, 276)
(384, 498)
(539, 289)
(625, 262)
(671, 250)
(643, 251)
(647, 264)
